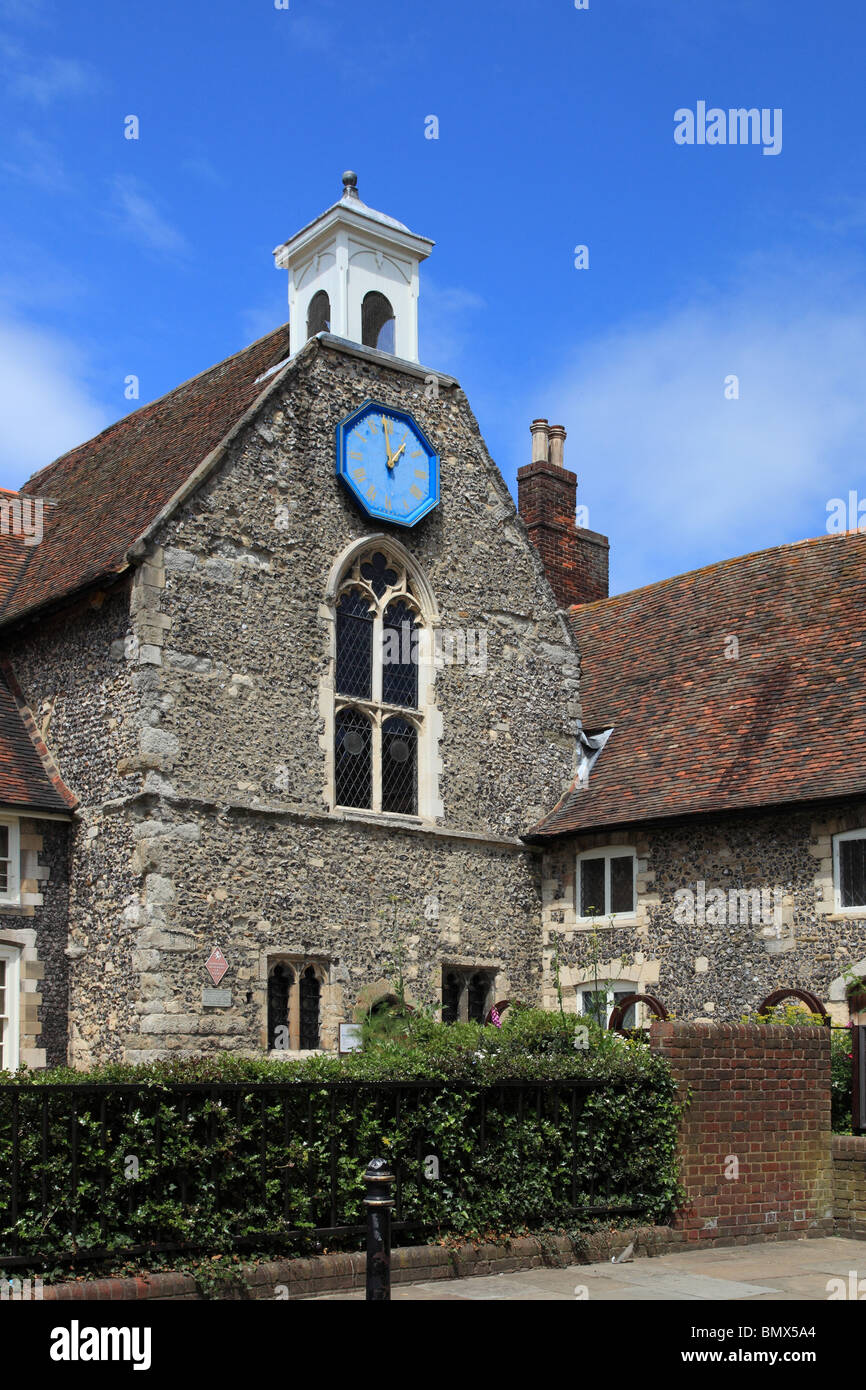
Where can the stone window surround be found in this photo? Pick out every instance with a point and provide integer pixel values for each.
(299, 961)
(609, 985)
(12, 1039)
(465, 973)
(12, 896)
(560, 892)
(858, 909)
(607, 852)
(30, 970)
(823, 849)
(427, 718)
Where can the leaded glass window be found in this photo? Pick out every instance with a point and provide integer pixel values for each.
(354, 646)
(399, 767)
(399, 656)
(379, 670)
(309, 992)
(353, 770)
(279, 986)
(852, 870)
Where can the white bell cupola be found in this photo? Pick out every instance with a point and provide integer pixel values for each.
(353, 272)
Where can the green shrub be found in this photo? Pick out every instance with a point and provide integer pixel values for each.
(230, 1166)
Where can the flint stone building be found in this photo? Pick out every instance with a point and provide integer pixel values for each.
(290, 685)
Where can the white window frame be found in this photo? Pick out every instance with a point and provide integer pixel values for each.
(620, 986)
(606, 853)
(12, 896)
(12, 1023)
(860, 834)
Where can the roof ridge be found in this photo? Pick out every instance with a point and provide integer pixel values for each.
(148, 405)
(578, 608)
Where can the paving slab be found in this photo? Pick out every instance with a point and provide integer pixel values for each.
(768, 1272)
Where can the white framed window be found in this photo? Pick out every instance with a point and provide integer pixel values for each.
(849, 869)
(10, 861)
(9, 986)
(599, 1001)
(605, 883)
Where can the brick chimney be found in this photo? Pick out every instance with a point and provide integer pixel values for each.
(575, 559)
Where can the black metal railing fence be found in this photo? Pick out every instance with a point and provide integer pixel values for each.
(89, 1170)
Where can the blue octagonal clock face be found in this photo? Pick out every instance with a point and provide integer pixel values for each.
(388, 463)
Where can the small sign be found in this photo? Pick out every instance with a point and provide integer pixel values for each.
(216, 998)
(350, 1037)
(216, 965)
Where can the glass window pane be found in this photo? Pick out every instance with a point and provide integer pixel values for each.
(622, 884)
(399, 767)
(595, 1004)
(450, 996)
(399, 657)
(852, 867)
(353, 762)
(354, 647)
(629, 1018)
(592, 887)
(4, 841)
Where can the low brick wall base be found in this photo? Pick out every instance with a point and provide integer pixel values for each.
(849, 1184)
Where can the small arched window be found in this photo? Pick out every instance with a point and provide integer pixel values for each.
(310, 991)
(378, 719)
(294, 1005)
(377, 322)
(319, 314)
(279, 988)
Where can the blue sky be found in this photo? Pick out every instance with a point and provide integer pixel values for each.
(153, 257)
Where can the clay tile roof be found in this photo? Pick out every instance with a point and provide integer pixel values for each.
(695, 731)
(28, 776)
(109, 490)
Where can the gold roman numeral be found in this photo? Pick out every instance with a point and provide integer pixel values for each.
(420, 473)
(359, 475)
(371, 493)
(417, 454)
(353, 455)
(416, 492)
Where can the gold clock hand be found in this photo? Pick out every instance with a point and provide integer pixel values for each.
(396, 456)
(390, 460)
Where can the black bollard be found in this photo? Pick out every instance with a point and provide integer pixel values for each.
(378, 1201)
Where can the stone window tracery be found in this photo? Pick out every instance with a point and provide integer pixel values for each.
(294, 1005)
(379, 723)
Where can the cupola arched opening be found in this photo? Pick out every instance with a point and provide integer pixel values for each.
(319, 314)
(377, 322)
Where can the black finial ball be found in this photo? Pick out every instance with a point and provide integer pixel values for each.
(350, 179)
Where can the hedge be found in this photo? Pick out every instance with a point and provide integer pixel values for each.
(260, 1166)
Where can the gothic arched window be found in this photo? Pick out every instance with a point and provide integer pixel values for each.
(377, 322)
(379, 718)
(319, 314)
(294, 1005)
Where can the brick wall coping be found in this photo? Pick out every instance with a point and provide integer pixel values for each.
(849, 1146)
(743, 1032)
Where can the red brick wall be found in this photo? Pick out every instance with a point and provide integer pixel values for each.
(755, 1142)
(849, 1184)
(575, 559)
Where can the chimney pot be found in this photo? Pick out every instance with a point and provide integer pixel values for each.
(556, 435)
(540, 444)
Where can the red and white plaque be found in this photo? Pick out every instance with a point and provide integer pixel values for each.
(216, 965)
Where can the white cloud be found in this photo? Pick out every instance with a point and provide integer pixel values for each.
(43, 78)
(679, 476)
(46, 405)
(141, 220)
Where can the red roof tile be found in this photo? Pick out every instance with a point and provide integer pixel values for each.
(28, 776)
(109, 490)
(694, 731)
